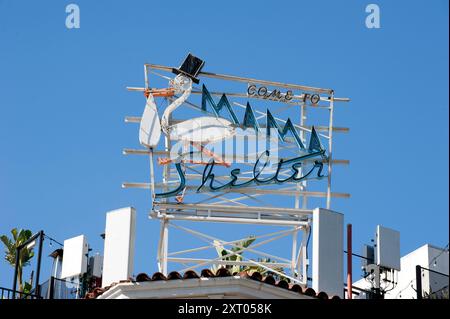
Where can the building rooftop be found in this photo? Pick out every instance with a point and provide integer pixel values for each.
(207, 283)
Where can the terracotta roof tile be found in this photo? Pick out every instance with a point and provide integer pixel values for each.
(174, 275)
(256, 276)
(297, 288)
(158, 276)
(190, 274)
(310, 292)
(322, 295)
(221, 272)
(269, 280)
(207, 273)
(283, 284)
(142, 277)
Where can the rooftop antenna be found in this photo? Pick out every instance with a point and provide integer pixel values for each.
(382, 260)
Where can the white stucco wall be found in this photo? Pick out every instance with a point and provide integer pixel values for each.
(424, 257)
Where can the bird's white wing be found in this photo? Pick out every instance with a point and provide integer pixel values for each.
(150, 127)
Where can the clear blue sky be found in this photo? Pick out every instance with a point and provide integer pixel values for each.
(63, 100)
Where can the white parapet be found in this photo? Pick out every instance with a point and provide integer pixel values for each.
(75, 257)
(327, 259)
(119, 245)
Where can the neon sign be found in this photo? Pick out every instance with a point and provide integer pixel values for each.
(208, 174)
(275, 95)
(261, 166)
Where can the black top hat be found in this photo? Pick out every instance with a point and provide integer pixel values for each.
(190, 67)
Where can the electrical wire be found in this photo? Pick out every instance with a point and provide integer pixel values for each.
(407, 286)
(445, 249)
(53, 240)
(393, 283)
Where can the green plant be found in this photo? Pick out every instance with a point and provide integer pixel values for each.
(222, 252)
(264, 271)
(19, 237)
(237, 247)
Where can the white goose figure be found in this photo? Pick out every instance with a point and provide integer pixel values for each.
(198, 131)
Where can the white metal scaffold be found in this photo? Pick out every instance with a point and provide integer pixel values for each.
(244, 205)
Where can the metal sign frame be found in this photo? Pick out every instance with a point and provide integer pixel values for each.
(231, 210)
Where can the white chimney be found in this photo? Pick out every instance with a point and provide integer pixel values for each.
(118, 257)
(328, 252)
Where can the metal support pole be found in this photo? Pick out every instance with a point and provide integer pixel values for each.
(41, 240)
(302, 260)
(349, 261)
(375, 271)
(160, 245)
(301, 186)
(146, 76)
(419, 281)
(167, 148)
(152, 176)
(330, 149)
(165, 246)
(15, 272)
(51, 289)
(294, 252)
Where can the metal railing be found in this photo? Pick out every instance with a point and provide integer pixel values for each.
(431, 284)
(53, 288)
(6, 293)
(63, 289)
